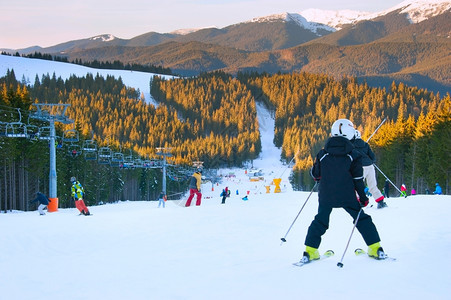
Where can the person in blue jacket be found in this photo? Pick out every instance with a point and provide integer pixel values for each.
(43, 202)
(438, 189)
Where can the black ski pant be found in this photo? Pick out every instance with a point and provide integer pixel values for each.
(320, 224)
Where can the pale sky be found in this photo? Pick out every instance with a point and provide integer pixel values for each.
(45, 23)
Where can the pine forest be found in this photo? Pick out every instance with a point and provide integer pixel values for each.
(212, 118)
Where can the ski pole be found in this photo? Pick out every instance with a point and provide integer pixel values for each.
(383, 121)
(284, 238)
(387, 178)
(289, 164)
(340, 263)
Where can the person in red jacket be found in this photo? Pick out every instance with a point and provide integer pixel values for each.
(194, 188)
(338, 169)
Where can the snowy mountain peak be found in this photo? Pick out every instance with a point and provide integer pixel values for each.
(293, 17)
(421, 10)
(185, 31)
(331, 20)
(103, 38)
(416, 10)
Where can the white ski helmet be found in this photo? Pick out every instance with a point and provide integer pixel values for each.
(344, 128)
(358, 135)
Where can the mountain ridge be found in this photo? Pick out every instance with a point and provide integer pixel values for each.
(409, 41)
(327, 21)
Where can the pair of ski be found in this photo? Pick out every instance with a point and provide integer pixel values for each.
(330, 253)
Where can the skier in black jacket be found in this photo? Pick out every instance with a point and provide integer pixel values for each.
(43, 202)
(338, 168)
(369, 173)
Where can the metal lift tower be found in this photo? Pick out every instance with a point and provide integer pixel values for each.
(52, 113)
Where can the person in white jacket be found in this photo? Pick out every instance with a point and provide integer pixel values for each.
(369, 172)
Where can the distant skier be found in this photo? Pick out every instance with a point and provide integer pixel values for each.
(438, 189)
(78, 194)
(403, 191)
(43, 202)
(338, 169)
(225, 194)
(194, 188)
(162, 199)
(369, 173)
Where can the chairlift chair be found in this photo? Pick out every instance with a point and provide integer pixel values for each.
(139, 163)
(70, 136)
(89, 146)
(129, 162)
(73, 150)
(16, 129)
(105, 152)
(44, 133)
(117, 157)
(32, 132)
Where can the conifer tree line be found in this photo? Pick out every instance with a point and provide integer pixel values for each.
(212, 118)
(412, 147)
(117, 65)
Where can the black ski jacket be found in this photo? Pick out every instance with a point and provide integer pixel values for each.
(41, 198)
(338, 168)
(368, 157)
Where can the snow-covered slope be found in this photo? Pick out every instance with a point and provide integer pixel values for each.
(26, 70)
(103, 38)
(416, 10)
(314, 19)
(134, 250)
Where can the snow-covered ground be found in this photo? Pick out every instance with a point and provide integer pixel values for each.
(27, 69)
(135, 250)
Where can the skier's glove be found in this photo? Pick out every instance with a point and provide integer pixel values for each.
(364, 201)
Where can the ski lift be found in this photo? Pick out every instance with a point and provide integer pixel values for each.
(90, 155)
(138, 163)
(74, 150)
(105, 152)
(128, 161)
(89, 146)
(117, 157)
(16, 130)
(70, 135)
(104, 155)
(44, 133)
(32, 132)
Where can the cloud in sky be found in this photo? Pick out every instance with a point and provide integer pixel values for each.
(49, 22)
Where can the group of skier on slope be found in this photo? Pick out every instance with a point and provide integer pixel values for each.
(77, 192)
(340, 169)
